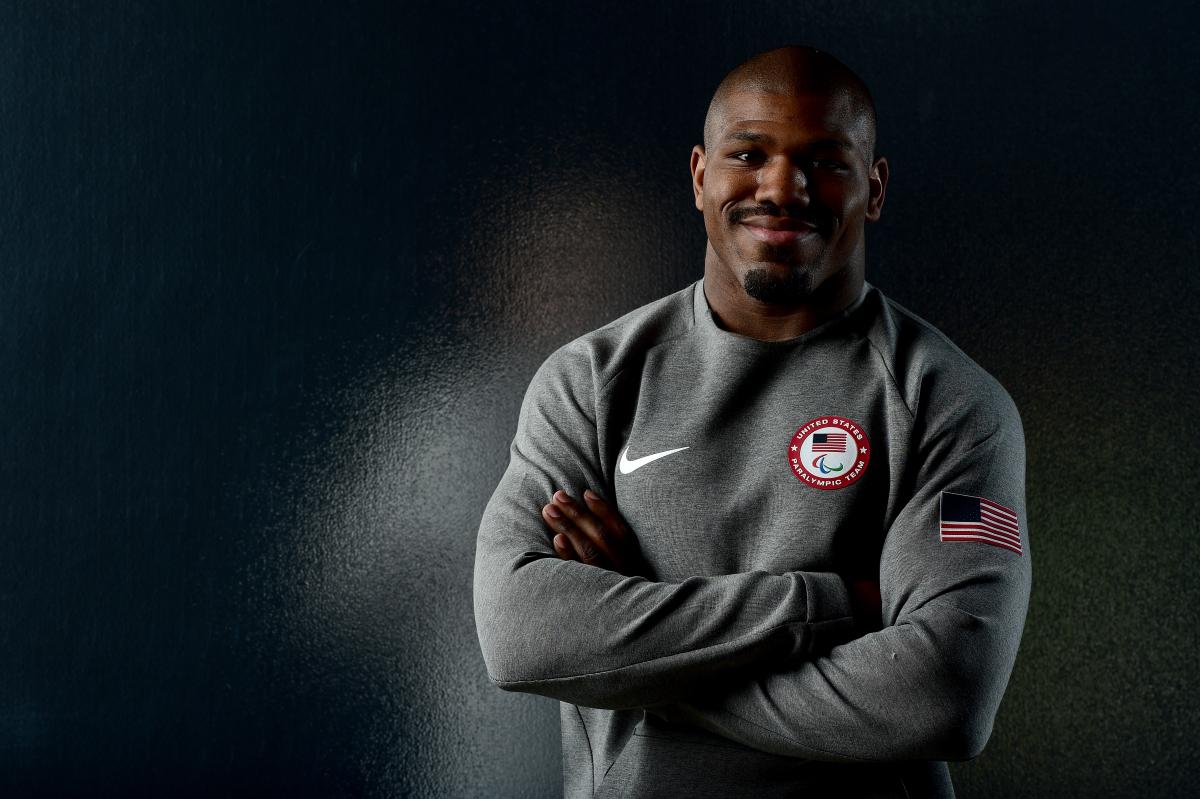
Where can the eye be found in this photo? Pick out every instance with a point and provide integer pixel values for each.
(745, 156)
(825, 163)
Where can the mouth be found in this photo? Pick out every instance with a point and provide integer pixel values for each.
(779, 231)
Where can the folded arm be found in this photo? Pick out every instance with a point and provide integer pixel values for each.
(927, 685)
(594, 637)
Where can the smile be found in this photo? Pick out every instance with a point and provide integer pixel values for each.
(780, 236)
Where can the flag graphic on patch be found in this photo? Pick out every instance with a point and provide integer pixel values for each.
(829, 442)
(967, 518)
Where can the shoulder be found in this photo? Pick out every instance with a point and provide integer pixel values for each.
(941, 385)
(594, 358)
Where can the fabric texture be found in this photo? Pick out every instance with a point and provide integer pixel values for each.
(737, 666)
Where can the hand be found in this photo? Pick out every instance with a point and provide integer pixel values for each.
(593, 533)
(867, 603)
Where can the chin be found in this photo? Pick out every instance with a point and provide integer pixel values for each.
(770, 285)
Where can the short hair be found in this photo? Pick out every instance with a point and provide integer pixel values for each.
(791, 70)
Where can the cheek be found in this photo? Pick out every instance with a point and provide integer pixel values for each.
(834, 195)
(845, 198)
(714, 218)
(711, 226)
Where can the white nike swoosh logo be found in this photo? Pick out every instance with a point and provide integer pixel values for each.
(626, 466)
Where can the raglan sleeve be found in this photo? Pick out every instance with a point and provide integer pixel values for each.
(593, 637)
(955, 580)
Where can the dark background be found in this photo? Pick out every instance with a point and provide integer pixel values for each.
(274, 277)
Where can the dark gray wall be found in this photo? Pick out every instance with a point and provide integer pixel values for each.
(273, 278)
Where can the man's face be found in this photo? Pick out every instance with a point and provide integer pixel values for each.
(785, 191)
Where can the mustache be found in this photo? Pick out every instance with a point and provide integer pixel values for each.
(737, 215)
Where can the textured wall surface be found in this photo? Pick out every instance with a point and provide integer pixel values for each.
(274, 277)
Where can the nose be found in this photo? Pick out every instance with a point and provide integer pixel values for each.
(782, 182)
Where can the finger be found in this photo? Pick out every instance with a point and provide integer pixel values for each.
(580, 546)
(611, 520)
(591, 527)
(562, 546)
(584, 533)
(564, 540)
(619, 533)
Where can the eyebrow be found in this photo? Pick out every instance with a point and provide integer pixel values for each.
(746, 135)
(756, 136)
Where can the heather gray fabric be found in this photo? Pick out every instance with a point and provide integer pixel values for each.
(738, 667)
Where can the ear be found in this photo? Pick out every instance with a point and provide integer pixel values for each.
(877, 188)
(698, 175)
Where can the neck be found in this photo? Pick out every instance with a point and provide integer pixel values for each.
(736, 311)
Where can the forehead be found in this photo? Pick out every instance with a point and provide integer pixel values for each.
(803, 115)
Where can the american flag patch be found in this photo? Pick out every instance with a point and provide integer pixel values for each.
(967, 518)
(829, 442)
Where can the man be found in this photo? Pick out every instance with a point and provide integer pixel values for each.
(765, 536)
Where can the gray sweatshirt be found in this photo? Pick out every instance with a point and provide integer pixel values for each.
(870, 446)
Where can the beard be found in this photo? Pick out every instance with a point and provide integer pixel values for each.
(767, 285)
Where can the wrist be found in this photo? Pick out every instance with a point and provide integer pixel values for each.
(866, 604)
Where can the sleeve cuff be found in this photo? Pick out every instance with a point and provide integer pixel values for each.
(828, 597)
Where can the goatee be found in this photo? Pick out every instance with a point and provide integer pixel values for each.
(768, 286)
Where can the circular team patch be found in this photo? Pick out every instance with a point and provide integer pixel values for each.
(829, 452)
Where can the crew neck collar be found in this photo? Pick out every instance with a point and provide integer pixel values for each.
(707, 326)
